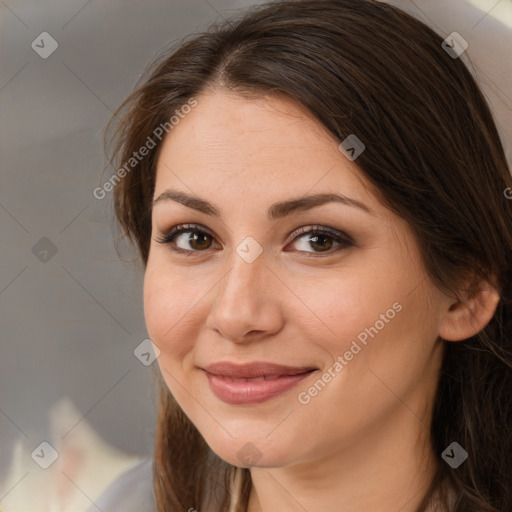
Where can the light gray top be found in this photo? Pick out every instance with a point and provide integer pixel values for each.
(132, 491)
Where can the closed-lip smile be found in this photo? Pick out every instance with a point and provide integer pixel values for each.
(252, 382)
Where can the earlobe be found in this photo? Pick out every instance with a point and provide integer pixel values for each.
(468, 316)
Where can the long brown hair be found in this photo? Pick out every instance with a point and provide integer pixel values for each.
(434, 155)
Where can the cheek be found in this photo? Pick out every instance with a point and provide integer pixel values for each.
(369, 311)
(386, 352)
(170, 310)
(340, 307)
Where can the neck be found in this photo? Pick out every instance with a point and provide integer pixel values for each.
(384, 470)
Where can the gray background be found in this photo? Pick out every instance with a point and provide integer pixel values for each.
(69, 325)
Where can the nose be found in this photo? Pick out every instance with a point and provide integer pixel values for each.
(246, 306)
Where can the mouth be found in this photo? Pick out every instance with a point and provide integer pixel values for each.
(253, 383)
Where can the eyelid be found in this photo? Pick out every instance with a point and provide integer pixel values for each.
(335, 233)
(179, 229)
(340, 237)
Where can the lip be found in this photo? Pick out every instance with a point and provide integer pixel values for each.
(254, 382)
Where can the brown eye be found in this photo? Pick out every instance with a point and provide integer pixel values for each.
(187, 239)
(190, 239)
(198, 240)
(321, 240)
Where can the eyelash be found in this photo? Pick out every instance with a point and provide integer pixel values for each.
(337, 236)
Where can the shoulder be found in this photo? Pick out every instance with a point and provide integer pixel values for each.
(132, 491)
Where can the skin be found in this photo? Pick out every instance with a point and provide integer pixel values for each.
(362, 442)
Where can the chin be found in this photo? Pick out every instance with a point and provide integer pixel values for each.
(251, 451)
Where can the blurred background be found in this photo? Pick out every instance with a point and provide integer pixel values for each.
(75, 378)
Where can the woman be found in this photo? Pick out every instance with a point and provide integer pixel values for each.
(318, 194)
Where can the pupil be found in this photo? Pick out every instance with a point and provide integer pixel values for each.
(203, 244)
(196, 236)
(314, 240)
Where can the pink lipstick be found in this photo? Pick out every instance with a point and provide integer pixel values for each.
(254, 382)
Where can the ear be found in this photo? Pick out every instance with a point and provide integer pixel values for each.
(470, 314)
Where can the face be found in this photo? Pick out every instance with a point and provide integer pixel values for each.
(332, 291)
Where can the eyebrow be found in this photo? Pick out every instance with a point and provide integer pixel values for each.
(275, 212)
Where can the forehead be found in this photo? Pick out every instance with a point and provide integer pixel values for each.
(262, 145)
(224, 120)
